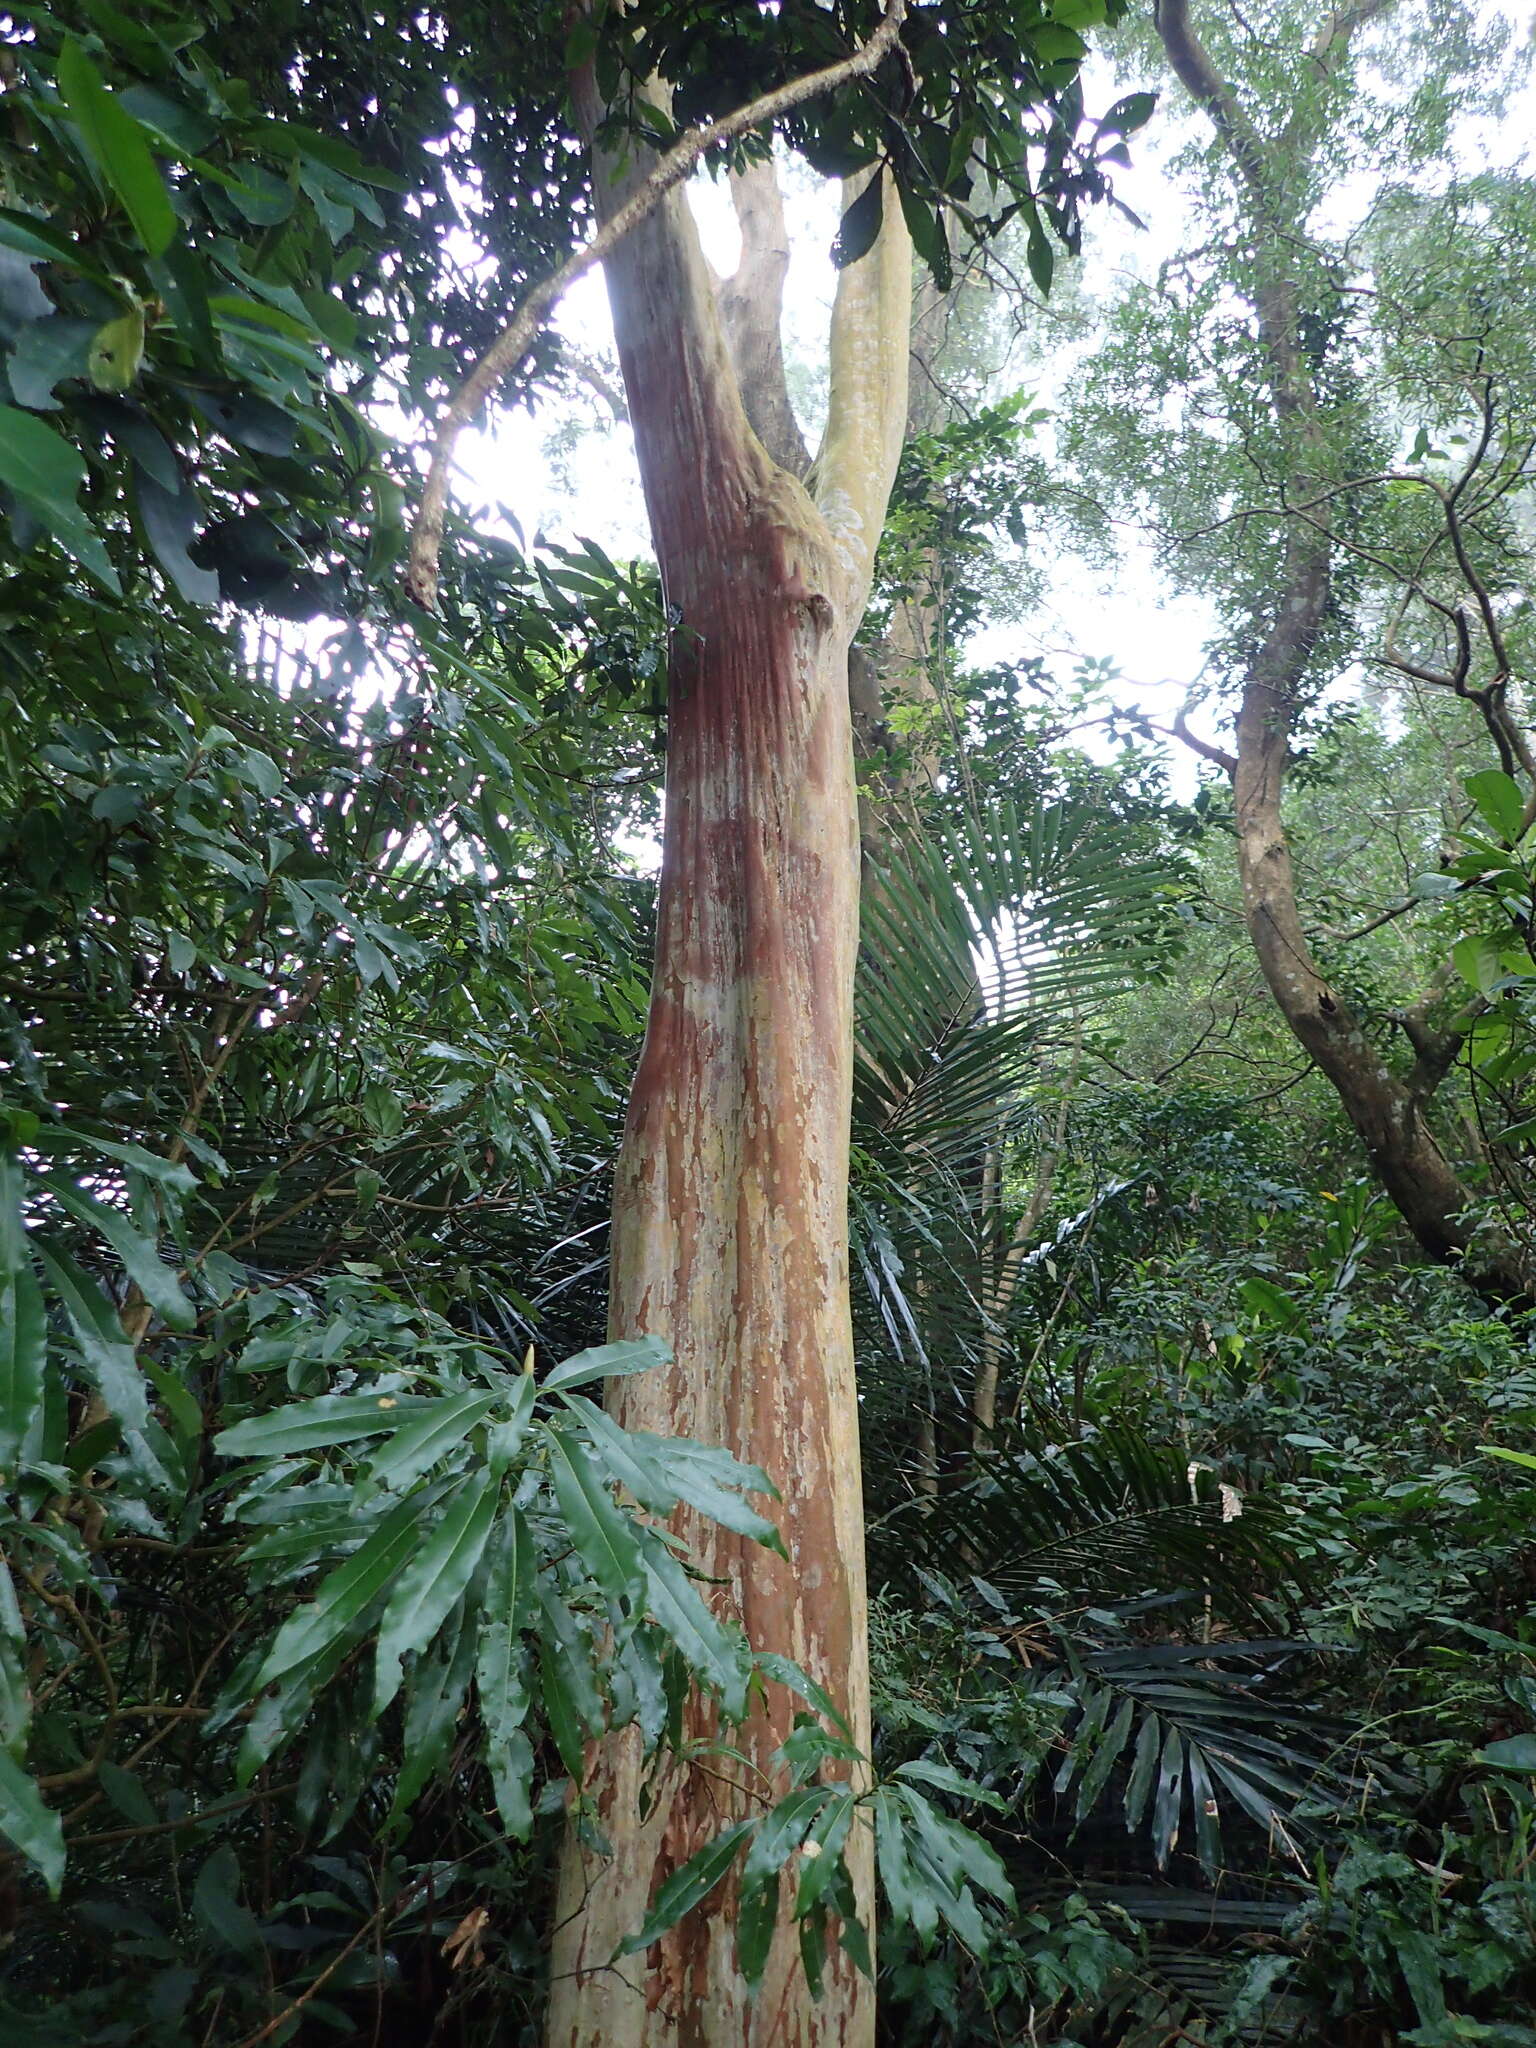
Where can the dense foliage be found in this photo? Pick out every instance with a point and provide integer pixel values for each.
(1199, 1507)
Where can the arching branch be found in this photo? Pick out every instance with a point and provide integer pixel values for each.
(515, 340)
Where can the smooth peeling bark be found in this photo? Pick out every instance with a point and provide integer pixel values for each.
(730, 1206)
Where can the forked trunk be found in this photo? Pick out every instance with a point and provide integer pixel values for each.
(730, 1204)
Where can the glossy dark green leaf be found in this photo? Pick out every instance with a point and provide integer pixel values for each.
(119, 148)
(439, 1684)
(47, 352)
(317, 1424)
(430, 1434)
(608, 1361)
(140, 1256)
(345, 1595)
(757, 1917)
(908, 1893)
(712, 1481)
(688, 1886)
(1168, 1799)
(432, 1582)
(23, 1327)
(170, 520)
(110, 1360)
(781, 1831)
(718, 1656)
(860, 225)
(605, 1541)
(822, 1848)
(29, 1825)
(217, 1904)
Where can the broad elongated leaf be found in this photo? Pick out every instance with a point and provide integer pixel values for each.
(717, 1656)
(317, 1424)
(502, 1668)
(109, 1359)
(432, 1582)
(29, 1824)
(23, 1331)
(713, 1481)
(604, 1540)
(609, 1361)
(688, 1886)
(427, 1436)
(141, 1260)
(345, 1595)
(119, 148)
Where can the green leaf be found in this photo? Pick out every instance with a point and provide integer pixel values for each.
(1499, 802)
(46, 353)
(757, 1917)
(344, 1596)
(709, 1479)
(1129, 114)
(429, 1436)
(608, 1361)
(784, 1671)
(573, 1703)
(216, 1903)
(439, 1683)
(823, 1850)
(141, 1260)
(1168, 1800)
(117, 351)
(169, 519)
(15, 1693)
(908, 1891)
(30, 1826)
(859, 228)
(34, 237)
(109, 1358)
(1477, 961)
(686, 1887)
(1514, 1753)
(1510, 1457)
(315, 1425)
(167, 1172)
(431, 1583)
(781, 1831)
(604, 1540)
(623, 1456)
(46, 472)
(119, 147)
(23, 1325)
(126, 1791)
(501, 1668)
(511, 1766)
(943, 1779)
(716, 1655)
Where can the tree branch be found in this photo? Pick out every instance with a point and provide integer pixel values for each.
(751, 310)
(855, 466)
(515, 340)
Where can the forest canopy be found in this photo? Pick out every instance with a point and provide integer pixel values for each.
(767, 1265)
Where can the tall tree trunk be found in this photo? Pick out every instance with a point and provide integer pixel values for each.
(730, 1206)
(1387, 1109)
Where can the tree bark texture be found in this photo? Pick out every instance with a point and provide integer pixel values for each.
(730, 1206)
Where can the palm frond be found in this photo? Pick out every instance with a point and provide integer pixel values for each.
(1112, 1517)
